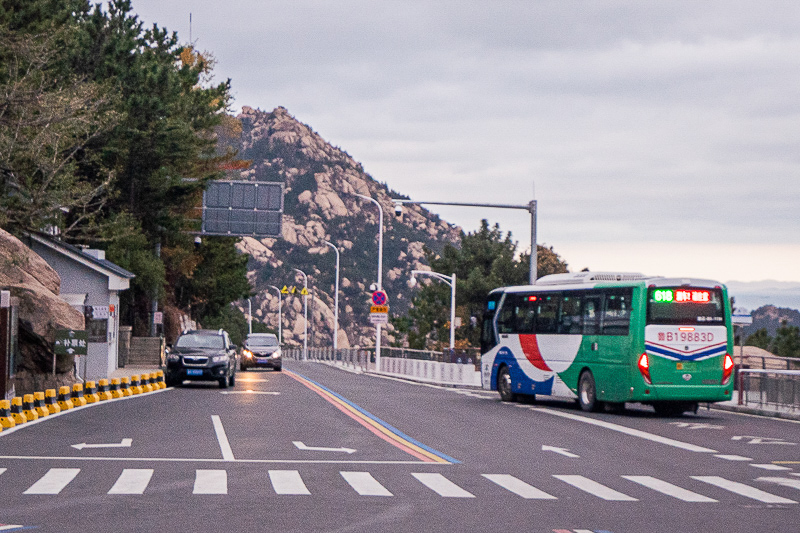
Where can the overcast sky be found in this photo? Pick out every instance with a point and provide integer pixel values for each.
(661, 136)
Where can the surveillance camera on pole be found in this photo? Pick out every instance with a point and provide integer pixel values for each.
(398, 210)
(373, 287)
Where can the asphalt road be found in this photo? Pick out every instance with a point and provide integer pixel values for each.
(316, 448)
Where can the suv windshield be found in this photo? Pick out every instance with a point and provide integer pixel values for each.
(262, 341)
(685, 306)
(200, 341)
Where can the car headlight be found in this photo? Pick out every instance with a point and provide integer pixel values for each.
(275, 355)
(173, 358)
(219, 358)
(247, 353)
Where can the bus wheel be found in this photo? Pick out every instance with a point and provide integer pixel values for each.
(504, 385)
(587, 392)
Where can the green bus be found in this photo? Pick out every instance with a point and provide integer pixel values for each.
(606, 338)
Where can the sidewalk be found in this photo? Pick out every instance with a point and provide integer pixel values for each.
(751, 408)
(132, 370)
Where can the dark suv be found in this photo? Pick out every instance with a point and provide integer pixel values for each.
(202, 355)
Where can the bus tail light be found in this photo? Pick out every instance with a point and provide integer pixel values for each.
(644, 368)
(727, 368)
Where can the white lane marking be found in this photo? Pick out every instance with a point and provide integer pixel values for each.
(224, 445)
(742, 490)
(364, 484)
(10, 527)
(287, 482)
(3, 470)
(734, 457)
(519, 487)
(785, 481)
(596, 489)
(628, 431)
(210, 482)
(207, 460)
(248, 391)
(669, 489)
(300, 446)
(132, 481)
(124, 443)
(442, 486)
(54, 481)
(561, 451)
(770, 466)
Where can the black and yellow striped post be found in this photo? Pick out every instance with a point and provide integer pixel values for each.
(91, 392)
(103, 390)
(160, 380)
(78, 399)
(125, 386)
(16, 410)
(51, 401)
(28, 408)
(147, 386)
(65, 398)
(116, 389)
(5, 415)
(38, 405)
(136, 384)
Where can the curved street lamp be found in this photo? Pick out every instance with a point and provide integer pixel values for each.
(450, 280)
(305, 314)
(380, 276)
(280, 318)
(336, 301)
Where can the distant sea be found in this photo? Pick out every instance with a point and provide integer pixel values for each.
(751, 295)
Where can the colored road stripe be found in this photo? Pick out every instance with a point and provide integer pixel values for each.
(628, 431)
(287, 482)
(210, 482)
(132, 481)
(54, 481)
(784, 481)
(518, 487)
(375, 425)
(669, 489)
(364, 484)
(743, 490)
(222, 438)
(596, 489)
(11, 527)
(442, 486)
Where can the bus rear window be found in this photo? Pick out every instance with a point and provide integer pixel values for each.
(685, 305)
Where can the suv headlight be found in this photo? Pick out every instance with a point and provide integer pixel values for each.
(219, 359)
(276, 354)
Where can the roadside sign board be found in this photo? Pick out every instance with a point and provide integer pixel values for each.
(243, 208)
(71, 342)
(379, 309)
(379, 318)
(742, 319)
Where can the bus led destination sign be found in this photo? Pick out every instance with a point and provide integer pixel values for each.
(681, 296)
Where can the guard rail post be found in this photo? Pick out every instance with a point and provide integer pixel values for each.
(103, 390)
(38, 405)
(16, 410)
(116, 390)
(78, 399)
(28, 409)
(51, 401)
(65, 398)
(125, 386)
(6, 420)
(91, 392)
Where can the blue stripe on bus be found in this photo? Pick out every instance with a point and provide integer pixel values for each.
(719, 350)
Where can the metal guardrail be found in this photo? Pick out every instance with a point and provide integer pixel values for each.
(770, 389)
(358, 357)
(355, 358)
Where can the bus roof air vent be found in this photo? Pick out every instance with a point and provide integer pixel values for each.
(588, 277)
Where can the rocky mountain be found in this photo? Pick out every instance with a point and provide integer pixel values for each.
(320, 204)
(770, 318)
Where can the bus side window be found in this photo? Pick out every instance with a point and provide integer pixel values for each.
(570, 318)
(547, 315)
(617, 313)
(488, 337)
(592, 304)
(505, 318)
(525, 315)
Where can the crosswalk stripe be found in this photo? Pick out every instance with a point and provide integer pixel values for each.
(785, 481)
(596, 489)
(364, 484)
(519, 487)
(669, 489)
(770, 466)
(210, 482)
(132, 481)
(442, 486)
(743, 490)
(287, 482)
(54, 481)
(3, 470)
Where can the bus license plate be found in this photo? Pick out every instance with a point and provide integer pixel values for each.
(194, 372)
(686, 366)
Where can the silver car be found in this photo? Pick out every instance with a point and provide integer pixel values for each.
(261, 350)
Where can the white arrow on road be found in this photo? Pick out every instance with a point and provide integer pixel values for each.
(751, 439)
(560, 451)
(125, 443)
(301, 446)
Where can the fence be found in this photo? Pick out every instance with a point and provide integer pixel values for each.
(457, 367)
(769, 382)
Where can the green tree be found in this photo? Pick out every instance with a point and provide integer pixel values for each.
(759, 339)
(787, 341)
(485, 260)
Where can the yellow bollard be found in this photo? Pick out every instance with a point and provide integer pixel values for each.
(160, 380)
(5, 415)
(103, 390)
(78, 399)
(65, 398)
(28, 409)
(147, 386)
(51, 402)
(91, 392)
(136, 384)
(38, 405)
(125, 386)
(16, 410)
(116, 390)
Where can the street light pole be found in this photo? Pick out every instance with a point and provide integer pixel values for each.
(280, 318)
(450, 280)
(529, 207)
(249, 315)
(305, 314)
(335, 301)
(380, 277)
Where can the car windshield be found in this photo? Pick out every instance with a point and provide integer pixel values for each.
(262, 341)
(200, 341)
